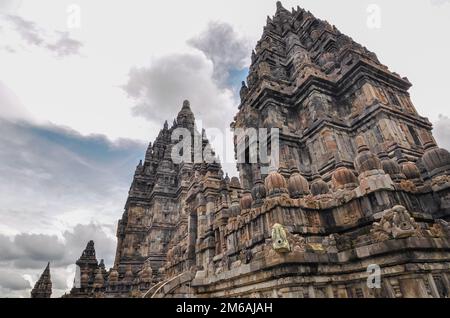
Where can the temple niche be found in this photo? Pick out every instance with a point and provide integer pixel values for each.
(361, 181)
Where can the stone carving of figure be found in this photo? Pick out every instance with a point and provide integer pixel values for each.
(330, 243)
(247, 255)
(298, 243)
(264, 69)
(441, 228)
(301, 58)
(244, 91)
(291, 41)
(328, 63)
(280, 242)
(396, 223)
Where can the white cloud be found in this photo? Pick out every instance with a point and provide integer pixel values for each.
(160, 89)
(10, 105)
(225, 48)
(442, 132)
(13, 281)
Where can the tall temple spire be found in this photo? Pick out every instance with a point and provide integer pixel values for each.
(43, 287)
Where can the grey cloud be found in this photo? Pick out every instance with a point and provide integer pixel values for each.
(28, 30)
(51, 150)
(12, 281)
(59, 279)
(51, 179)
(160, 89)
(206, 79)
(442, 132)
(38, 248)
(60, 43)
(8, 293)
(8, 251)
(33, 251)
(65, 45)
(76, 240)
(439, 2)
(225, 48)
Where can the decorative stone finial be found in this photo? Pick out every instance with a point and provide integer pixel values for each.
(436, 160)
(298, 186)
(244, 91)
(99, 280)
(113, 277)
(343, 178)
(365, 160)
(318, 186)
(246, 200)
(275, 183)
(129, 275)
(391, 167)
(235, 183)
(411, 171)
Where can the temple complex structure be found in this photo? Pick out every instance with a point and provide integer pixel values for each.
(361, 188)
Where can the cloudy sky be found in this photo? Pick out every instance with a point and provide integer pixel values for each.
(85, 85)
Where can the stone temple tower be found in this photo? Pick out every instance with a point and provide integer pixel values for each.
(361, 187)
(155, 207)
(322, 89)
(43, 287)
